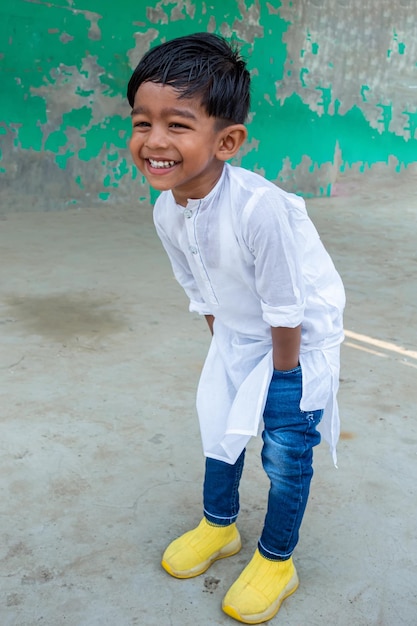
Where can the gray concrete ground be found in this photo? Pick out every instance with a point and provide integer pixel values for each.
(100, 460)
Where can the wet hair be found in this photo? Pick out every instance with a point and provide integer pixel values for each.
(203, 65)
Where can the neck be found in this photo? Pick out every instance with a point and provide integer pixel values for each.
(201, 190)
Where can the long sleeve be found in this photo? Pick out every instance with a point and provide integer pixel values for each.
(277, 255)
(180, 267)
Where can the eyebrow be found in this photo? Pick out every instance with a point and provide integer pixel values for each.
(169, 111)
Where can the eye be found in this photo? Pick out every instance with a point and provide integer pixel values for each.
(178, 125)
(141, 124)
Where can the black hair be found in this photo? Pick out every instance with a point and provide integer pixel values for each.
(201, 64)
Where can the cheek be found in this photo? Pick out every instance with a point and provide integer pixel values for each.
(134, 145)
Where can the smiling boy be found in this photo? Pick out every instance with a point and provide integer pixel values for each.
(251, 261)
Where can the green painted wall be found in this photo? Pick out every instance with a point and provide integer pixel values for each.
(334, 89)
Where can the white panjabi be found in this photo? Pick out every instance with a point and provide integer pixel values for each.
(249, 255)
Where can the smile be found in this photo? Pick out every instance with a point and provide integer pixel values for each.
(161, 164)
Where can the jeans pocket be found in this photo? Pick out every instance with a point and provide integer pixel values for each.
(295, 370)
(284, 393)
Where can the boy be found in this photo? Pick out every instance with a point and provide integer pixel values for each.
(251, 261)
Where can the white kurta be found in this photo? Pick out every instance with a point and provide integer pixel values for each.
(248, 254)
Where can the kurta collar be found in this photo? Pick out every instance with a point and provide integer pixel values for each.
(201, 203)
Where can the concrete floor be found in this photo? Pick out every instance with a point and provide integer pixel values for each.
(100, 459)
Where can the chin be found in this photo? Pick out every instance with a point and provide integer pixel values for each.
(159, 185)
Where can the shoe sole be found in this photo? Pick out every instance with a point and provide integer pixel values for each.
(271, 611)
(228, 550)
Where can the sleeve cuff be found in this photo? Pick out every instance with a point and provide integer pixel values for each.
(285, 316)
(199, 307)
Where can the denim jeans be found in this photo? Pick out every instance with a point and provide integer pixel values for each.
(289, 436)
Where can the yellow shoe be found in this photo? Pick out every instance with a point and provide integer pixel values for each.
(259, 591)
(194, 552)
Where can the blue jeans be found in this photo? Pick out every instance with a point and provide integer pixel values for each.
(289, 436)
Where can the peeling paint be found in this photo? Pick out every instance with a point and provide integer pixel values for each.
(363, 69)
(333, 89)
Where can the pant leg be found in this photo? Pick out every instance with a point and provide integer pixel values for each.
(221, 490)
(287, 456)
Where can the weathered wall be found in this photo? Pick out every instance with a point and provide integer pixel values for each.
(334, 89)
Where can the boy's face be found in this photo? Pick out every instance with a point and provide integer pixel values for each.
(174, 142)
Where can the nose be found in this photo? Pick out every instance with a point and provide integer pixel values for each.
(156, 138)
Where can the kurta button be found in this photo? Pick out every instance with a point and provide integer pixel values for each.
(193, 250)
(188, 213)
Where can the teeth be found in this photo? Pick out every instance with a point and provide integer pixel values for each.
(161, 164)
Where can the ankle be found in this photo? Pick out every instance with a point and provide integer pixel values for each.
(214, 525)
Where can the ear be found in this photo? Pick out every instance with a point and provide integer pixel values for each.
(231, 138)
